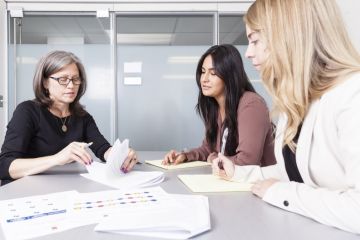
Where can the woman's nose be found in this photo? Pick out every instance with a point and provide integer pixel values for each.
(205, 77)
(249, 53)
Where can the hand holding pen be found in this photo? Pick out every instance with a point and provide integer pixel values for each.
(228, 167)
(223, 145)
(75, 151)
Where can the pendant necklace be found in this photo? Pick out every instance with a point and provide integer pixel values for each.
(64, 127)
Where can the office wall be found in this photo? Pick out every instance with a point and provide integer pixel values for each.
(167, 135)
(159, 113)
(350, 11)
(96, 59)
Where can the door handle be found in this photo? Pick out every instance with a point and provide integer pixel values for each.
(1, 101)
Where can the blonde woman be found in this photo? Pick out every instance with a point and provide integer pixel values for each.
(312, 72)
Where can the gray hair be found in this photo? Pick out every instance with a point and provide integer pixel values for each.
(51, 63)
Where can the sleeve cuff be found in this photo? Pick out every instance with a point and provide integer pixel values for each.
(4, 172)
(190, 156)
(281, 194)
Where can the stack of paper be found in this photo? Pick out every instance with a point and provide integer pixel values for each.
(158, 163)
(111, 175)
(174, 216)
(145, 212)
(211, 183)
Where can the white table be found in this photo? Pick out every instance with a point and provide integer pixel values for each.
(235, 216)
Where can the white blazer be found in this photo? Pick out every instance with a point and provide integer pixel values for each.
(328, 158)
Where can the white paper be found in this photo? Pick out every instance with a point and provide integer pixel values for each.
(132, 67)
(132, 80)
(130, 180)
(111, 175)
(90, 208)
(116, 157)
(35, 216)
(181, 217)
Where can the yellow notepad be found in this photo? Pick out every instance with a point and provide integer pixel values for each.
(157, 163)
(212, 183)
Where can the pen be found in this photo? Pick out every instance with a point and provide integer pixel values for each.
(223, 144)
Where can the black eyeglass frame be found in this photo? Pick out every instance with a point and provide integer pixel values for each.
(75, 81)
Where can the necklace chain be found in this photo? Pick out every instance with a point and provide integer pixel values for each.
(63, 124)
(64, 128)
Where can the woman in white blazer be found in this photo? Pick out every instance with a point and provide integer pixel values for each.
(312, 72)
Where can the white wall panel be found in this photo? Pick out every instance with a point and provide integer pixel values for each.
(350, 11)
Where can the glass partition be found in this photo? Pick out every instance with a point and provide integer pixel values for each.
(85, 35)
(154, 89)
(157, 91)
(232, 31)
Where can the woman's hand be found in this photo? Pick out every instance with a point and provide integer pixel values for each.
(130, 161)
(75, 151)
(173, 157)
(211, 157)
(260, 187)
(223, 167)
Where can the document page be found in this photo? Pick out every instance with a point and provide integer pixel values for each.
(110, 173)
(35, 216)
(191, 164)
(212, 183)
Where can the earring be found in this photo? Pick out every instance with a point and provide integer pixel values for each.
(47, 92)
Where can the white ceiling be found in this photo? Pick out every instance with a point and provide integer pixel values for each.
(170, 29)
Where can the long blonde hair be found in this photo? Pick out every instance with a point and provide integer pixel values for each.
(309, 53)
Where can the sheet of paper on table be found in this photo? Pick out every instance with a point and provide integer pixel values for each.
(212, 183)
(111, 175)
(191, 164)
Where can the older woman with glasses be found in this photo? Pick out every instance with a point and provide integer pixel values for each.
(54, 128)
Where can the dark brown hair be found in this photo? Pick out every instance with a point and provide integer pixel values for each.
(229, 67)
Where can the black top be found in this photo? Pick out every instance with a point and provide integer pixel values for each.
(290, 161)
(35, 132)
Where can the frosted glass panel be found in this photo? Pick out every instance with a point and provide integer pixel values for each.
(85, 36)
(160, 113)
(232, 31)
(96, 59)
(157, 90)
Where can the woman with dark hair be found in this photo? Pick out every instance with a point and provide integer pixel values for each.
(54, 128)
(227, 100)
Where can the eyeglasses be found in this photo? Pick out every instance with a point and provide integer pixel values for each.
(64, 81)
